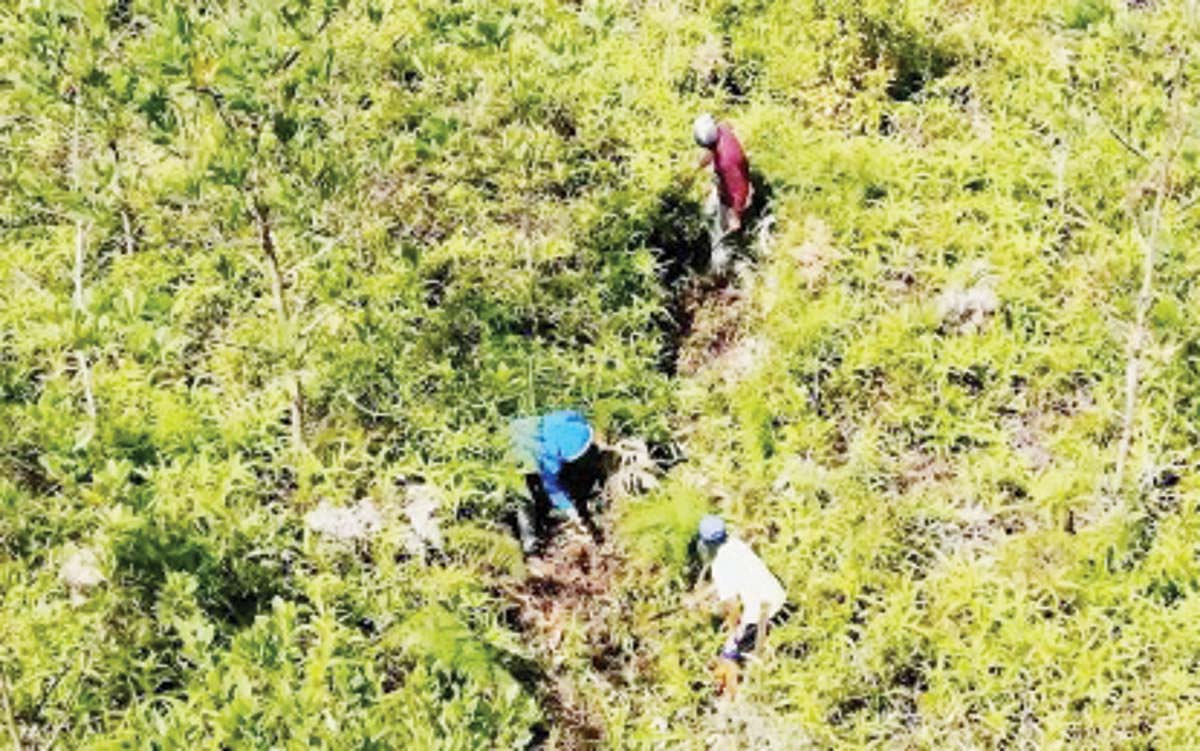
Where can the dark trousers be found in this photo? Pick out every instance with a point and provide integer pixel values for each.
(748, 639)
(581, 479)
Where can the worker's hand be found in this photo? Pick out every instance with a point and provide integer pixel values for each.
(726, 674)
(732, 615)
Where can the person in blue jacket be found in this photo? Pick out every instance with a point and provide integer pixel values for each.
(562, 467)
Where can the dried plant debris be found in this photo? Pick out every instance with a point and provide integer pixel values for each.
(966, 310)
(744, 723)
(814, 255)
(743, 358)
(634, 470)
(709, 59)
(715, 316)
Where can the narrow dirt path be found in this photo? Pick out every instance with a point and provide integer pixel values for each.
(570, 586)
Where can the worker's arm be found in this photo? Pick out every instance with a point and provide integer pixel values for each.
(690, 176)
(559, 498)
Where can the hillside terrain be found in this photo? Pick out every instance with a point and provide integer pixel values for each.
(275, 276)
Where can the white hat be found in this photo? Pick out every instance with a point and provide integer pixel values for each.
(704, 130)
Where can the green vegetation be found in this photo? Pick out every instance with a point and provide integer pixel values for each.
(260, 256)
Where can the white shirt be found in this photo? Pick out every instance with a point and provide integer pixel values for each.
(738, 572)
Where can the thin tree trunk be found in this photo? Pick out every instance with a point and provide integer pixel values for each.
(126, 224)
(297, 410)
(267, 241)
(77, 302)
(126, 231)
(77, 269)
(1137, 339)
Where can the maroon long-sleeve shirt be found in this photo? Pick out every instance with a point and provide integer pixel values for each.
(732, 169)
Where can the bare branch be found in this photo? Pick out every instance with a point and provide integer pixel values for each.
(218, 101)
(77, 269)
(77, 302)
(267, 243)
(1145, 297)
(126, 224)
(1124, 141)
(126, 231)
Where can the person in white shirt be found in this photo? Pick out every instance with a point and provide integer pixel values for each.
(739, 574)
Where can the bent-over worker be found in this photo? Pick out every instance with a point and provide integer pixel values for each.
(562, 468)
(731, 171)
(738, 574)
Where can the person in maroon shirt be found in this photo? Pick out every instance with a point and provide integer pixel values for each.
(730, 168)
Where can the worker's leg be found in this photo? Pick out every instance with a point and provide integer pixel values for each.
(724, 245)
(526, 530)
(731, 220)
(583, 480)
(748, 639)
(583, 477)
(533, 516)
(749, 635)
(715, 212)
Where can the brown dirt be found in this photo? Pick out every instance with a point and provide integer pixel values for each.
(571, 585)
(570, 579)
(712, 312)
(919, 467)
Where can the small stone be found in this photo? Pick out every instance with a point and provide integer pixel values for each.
(351, 523)
(423, 502)
(80, 573)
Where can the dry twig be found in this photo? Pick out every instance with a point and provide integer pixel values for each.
(1137, 340)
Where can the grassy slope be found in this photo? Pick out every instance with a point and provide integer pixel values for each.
(466, 189)
(939, 500)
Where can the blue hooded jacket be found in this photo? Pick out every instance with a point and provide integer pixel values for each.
(548, 442)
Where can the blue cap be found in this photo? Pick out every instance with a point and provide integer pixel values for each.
(565, 433)
(551, 439)
(712, 530)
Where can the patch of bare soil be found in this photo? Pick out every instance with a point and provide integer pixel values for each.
(711, 312)
(570, 587)
(920, 467)
(571, 579)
